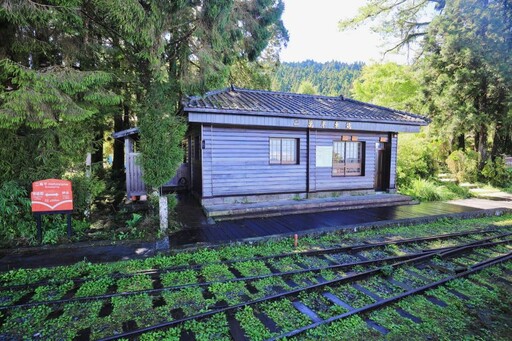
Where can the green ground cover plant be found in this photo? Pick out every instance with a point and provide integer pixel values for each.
(352, 328)
(320, 305)
(304, 279)
(172, 334)
(380, 287)
(11, 296)
(231, 292)
(351, 296)
(313, 262)
(252, 327)
(137, 282)
(330, 275)
(252, 268)
(267, 286)
(191, 300)
(285, 315)
(286, 264)
(170, 279)
(460, 320)
(22, 322)
(216, 272)
(93, 288)
(51, 292)
(402, 276)
(215, 328)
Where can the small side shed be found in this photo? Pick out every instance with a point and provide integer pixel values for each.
(134, 180)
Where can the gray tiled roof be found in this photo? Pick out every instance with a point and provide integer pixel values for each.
(267, 103)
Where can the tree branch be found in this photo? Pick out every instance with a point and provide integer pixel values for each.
(404, 41)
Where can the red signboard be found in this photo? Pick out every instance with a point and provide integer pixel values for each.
(51, 195)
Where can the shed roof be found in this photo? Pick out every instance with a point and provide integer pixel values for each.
(126, 132)
(268, 103)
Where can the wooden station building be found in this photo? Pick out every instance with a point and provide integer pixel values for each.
(253, 145)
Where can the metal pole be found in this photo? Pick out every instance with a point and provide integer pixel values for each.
(70, 232)
(39, 229)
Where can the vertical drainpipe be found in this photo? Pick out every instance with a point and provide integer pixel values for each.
(307, 161)
(201, 168)
(391, 187)
(211, 159)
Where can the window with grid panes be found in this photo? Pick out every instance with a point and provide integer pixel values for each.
(347, 158)
(283, 151)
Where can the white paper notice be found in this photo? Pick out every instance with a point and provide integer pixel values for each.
(324, 156)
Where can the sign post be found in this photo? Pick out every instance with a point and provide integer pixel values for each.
(51, 196)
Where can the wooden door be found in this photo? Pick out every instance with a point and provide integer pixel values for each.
(382, 166)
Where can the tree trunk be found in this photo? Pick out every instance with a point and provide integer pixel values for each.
(97, 156)
(482, 146)
(461, 142)
(118, 162)
(496, 143)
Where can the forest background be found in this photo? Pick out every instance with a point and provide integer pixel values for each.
(74, 71)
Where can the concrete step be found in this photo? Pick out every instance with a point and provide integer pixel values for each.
(284, 207)
(446, 177)
(468, 185)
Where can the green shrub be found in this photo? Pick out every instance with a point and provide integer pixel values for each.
(416, 159)
(460, 192)
(463, 165)
(497, 173)
(85, 190)
(16, 220)
(425, 190)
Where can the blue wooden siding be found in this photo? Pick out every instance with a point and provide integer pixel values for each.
(323, 179)
(236, 162)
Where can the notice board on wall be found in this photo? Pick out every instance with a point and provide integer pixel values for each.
(324, 156)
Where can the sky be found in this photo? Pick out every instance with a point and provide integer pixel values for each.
(314, 34)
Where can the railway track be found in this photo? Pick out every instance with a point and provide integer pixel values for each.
(287, 294)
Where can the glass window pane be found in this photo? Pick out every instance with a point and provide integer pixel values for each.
(353, 158)
(338, 152)
(275, 151)
(289, 151)
(353, 153)
(347, 158)
(338, 157)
